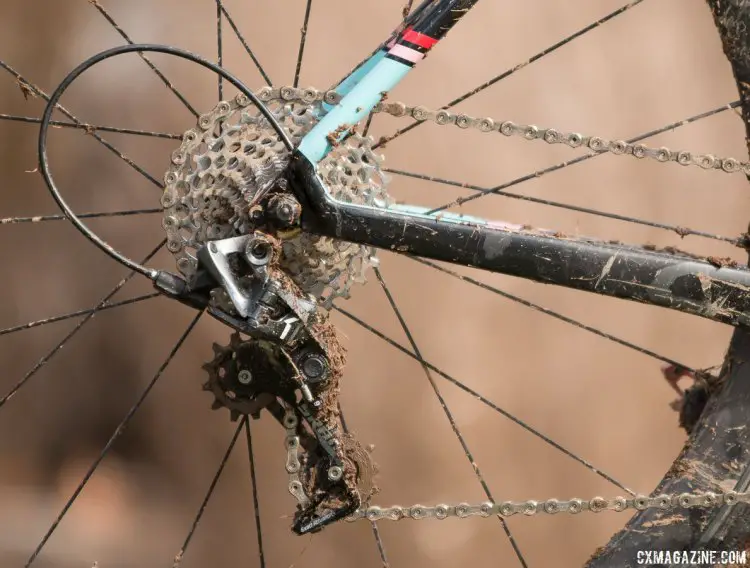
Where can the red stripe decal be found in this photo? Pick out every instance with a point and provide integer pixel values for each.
(419, 39)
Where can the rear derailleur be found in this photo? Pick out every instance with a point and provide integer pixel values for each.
(290, 364)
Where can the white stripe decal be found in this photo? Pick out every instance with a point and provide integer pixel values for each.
(406, 53)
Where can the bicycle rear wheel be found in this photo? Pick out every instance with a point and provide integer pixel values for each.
(80, 413)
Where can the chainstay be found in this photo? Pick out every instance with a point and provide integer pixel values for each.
(553, 506)
(508, 128)
(443, 117)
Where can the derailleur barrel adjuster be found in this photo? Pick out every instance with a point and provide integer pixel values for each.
(177, 288)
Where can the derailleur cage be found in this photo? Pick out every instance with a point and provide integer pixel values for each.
(290, 365)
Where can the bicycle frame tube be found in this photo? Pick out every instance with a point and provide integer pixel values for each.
(669, 280)
(367, 84)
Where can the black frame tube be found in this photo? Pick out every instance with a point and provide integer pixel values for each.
(669, 280)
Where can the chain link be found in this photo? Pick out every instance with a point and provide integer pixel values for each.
(293, 465)
(508, 128)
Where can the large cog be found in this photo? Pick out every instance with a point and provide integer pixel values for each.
(233, 154)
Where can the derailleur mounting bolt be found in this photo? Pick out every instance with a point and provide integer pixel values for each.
(258, 251)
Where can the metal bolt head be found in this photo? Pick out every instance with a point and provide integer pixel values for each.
(258, 251)
(335, 473)
(285, 209)
(244, 377)
(314, 367)
(285, 212)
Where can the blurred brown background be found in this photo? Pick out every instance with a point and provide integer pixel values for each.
(659, 62)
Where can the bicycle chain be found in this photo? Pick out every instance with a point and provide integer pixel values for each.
(508, 128)
(552, 506)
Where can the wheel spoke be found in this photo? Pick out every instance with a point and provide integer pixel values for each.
(92, 127)
(116, 434)
(179, 556)
(44, 360)
(219, 49)
(244, 43)
(682, 231)
(366, 130)
(379, 544)
(143, 56)
(32, 88)
(104, 307)
(60, 217)
(448, 413)
(484, 400)
(302, 41)
(407, 9)
(256, 505)
(555, 315)
(562, 165)
(516, 68)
